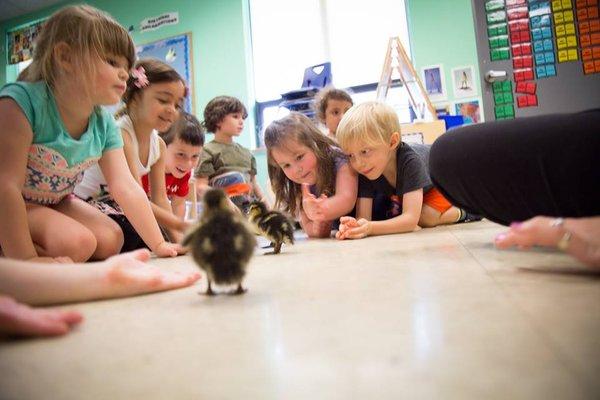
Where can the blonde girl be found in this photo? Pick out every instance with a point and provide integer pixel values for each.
(153, 98)
(309, 174)
(52, 128)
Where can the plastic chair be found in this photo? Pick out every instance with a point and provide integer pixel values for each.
(301, 100)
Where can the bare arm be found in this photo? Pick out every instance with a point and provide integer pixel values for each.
(346, 188)
(178, 206)
(364, 208)
(412, 203)
(15, 138)
(315, 229)
(119, 276)
(132, 199)
(158, 194)
(161, 211)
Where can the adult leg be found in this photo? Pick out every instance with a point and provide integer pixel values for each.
(109, 237)
(513, 170)
(56, 234)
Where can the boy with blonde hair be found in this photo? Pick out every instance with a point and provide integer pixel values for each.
(369, 134)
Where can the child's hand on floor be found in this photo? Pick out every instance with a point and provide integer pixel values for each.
(20, 319)
(166, 249)
(350, 228)
(314, 207)
(129, 274)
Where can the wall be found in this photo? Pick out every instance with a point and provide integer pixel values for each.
(220, 41)
(442, 32)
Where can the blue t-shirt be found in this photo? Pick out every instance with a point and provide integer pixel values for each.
(55, 160)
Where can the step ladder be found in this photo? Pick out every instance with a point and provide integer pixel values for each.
(396, 66)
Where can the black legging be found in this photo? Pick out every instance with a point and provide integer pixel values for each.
(513, 170)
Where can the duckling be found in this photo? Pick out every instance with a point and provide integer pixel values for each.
(273, 225)
(222, 243)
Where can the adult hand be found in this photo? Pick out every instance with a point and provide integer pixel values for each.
(22, 320)
(537, 231)
(581, 241)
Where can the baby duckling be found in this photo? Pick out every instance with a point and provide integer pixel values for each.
(222, 243)
(273, 225)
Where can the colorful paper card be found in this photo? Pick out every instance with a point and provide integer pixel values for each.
(525, 74)
(496, 16)
(573, 54)
(497, 30)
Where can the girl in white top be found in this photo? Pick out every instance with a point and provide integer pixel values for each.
(152, 102)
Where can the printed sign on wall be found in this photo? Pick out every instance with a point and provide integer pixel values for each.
(153, 23)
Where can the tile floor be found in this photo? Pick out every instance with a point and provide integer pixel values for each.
(438, 314)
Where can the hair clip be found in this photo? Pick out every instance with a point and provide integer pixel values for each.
(139, 76)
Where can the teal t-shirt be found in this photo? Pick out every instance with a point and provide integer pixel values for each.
(56, 161)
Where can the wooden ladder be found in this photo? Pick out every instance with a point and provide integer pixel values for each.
(396, 60)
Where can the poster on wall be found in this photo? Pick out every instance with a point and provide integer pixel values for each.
(433, 79)
(177, 52)
(463, 82)
(470, 110)
(20, 42)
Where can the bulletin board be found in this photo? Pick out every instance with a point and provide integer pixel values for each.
(177, 52)
(549, 51)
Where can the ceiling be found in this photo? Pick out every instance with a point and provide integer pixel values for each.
(14, 8)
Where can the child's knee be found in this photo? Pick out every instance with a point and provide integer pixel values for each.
(79, 245)
(428, 218)
(110, 241)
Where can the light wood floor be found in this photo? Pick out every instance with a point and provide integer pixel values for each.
(437, 314)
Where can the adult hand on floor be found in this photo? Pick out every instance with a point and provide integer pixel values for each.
(578, 237)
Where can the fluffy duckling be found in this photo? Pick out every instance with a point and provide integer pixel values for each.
(273, 225)
(222, 243)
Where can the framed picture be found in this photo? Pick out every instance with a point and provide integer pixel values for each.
(463, 82)
(433, 80)
(470, 110)
(177, 52)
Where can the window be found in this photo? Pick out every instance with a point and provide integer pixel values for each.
(291, 35)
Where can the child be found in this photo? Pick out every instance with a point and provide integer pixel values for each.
(223, 162)
(330, 105)
(52, 129)
(184, 144)
(309, 173)
(152, 101)
(370, 134)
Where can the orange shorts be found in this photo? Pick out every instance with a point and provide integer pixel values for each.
(435, 200)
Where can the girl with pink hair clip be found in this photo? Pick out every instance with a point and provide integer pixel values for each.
(53, 128)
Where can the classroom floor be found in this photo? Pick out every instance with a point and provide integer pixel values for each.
(438, 314)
